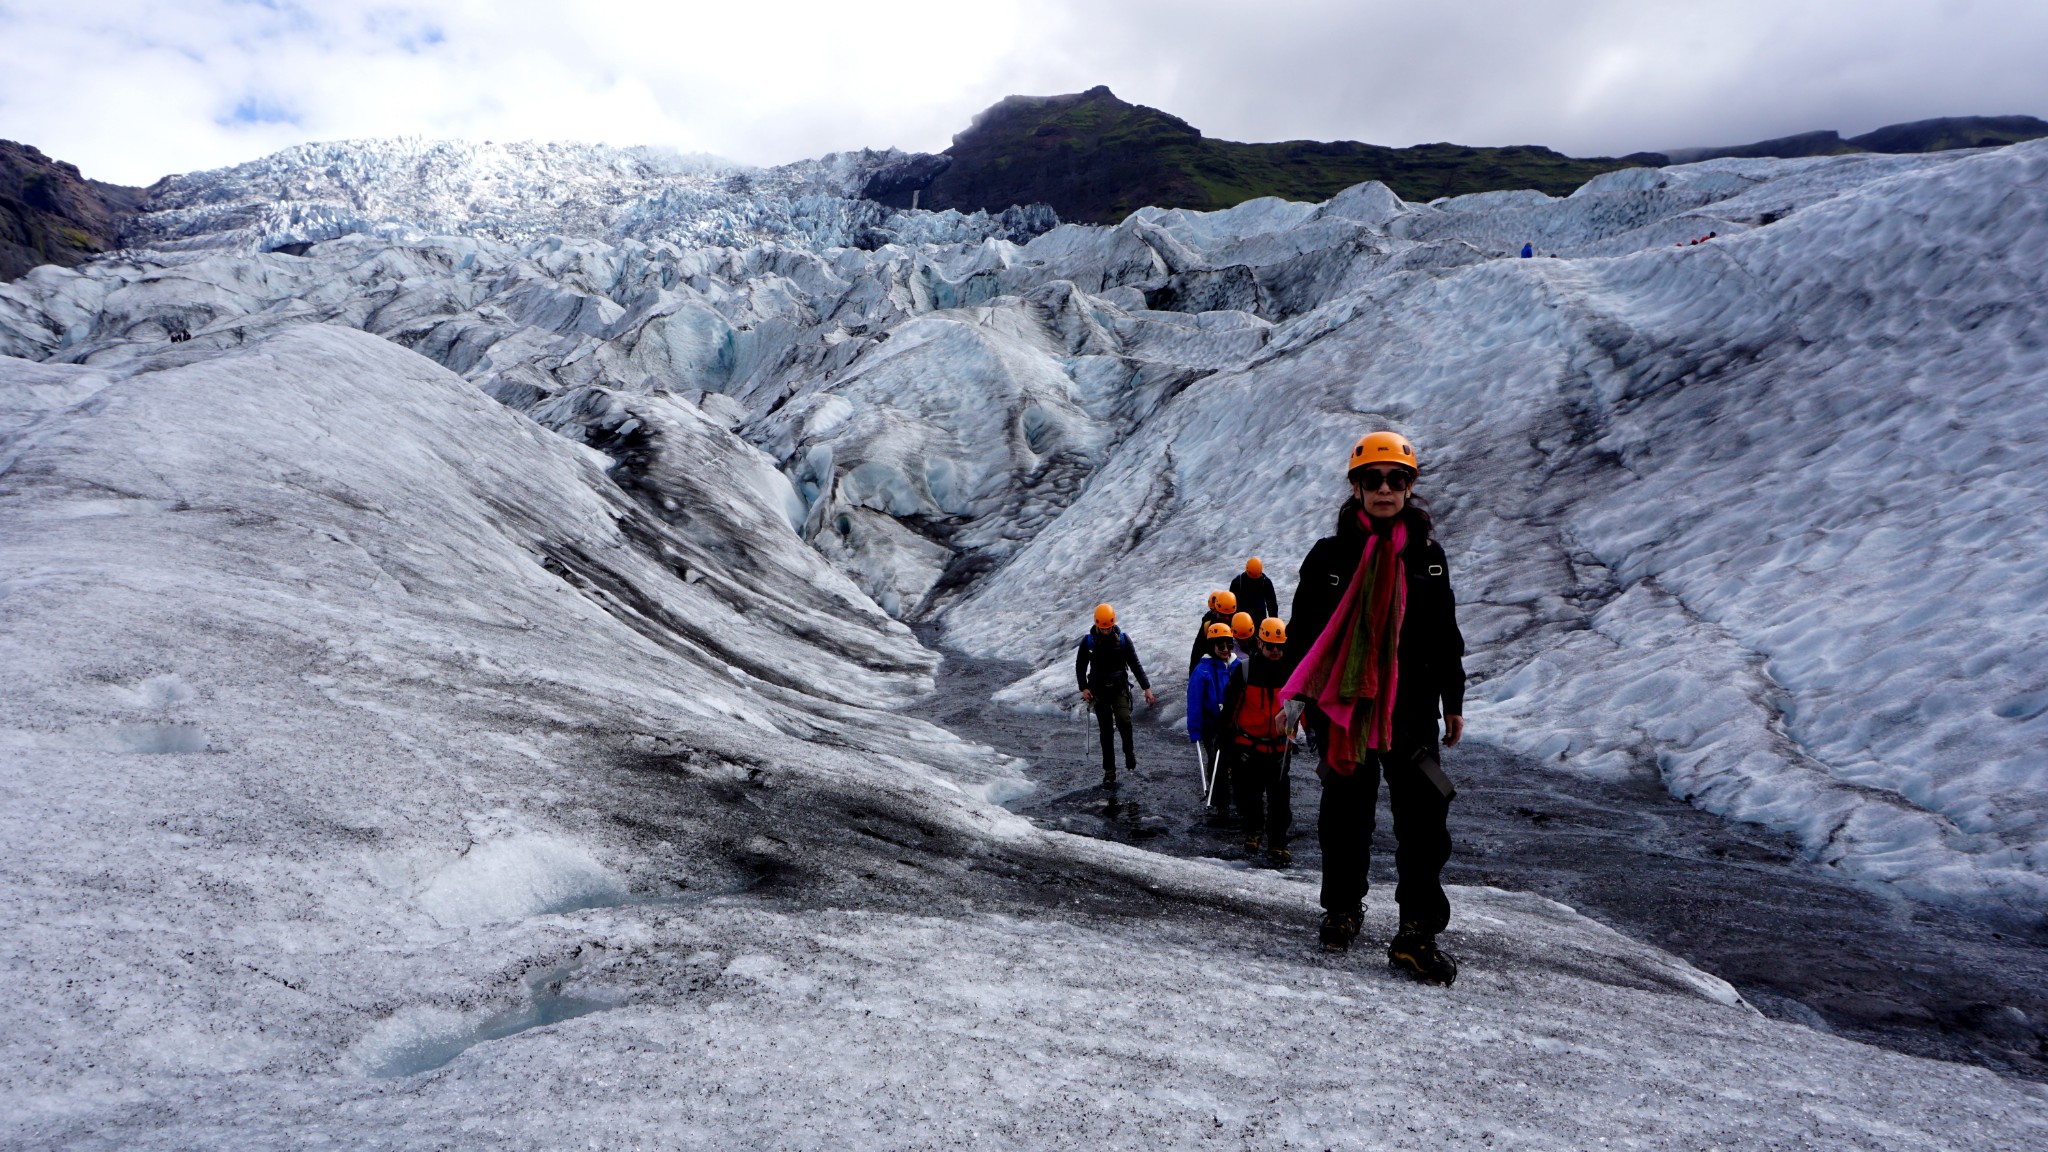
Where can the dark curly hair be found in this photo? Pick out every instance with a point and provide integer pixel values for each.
(1415, 514)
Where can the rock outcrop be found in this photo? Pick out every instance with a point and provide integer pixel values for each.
(1096, 158)
(51, 214)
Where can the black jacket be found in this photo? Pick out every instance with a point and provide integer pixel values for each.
(1432, 650)
(1100, 666)
(1202, 640)
(1256, 596)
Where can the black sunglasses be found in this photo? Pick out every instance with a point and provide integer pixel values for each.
(1396, 480)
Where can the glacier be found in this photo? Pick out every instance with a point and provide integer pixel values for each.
(1670, 475)
(451, 588)
(524, 190)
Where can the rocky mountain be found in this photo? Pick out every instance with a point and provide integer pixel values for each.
(1939, 135)
(1096, 158)
(1951, 132)
(52, 214)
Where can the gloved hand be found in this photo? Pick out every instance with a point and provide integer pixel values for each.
(1291, 714)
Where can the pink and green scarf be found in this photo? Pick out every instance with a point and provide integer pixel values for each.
(1351, 670)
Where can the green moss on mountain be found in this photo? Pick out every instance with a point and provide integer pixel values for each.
(1952, 132)
(1096, 158)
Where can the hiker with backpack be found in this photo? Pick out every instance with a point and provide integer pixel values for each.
(1253, 713)
(1254, 592)
(1376, 656)
(1103, 665)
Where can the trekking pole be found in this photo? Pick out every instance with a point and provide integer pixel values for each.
(1081, 712)
(1202, 765)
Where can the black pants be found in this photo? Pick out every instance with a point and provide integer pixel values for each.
(1114, 707)
(1422, 839)
(1265, 796)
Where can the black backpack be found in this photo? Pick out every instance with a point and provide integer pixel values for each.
(1109, 670)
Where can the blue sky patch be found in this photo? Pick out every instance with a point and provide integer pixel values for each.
(257, 110)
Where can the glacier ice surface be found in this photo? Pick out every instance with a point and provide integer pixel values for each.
(345, 636)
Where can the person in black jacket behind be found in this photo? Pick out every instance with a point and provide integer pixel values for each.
(1372, 671)
(1222, 606)
(1103, 664)
(1254, 592)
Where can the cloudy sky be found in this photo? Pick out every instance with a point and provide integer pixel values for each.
(133, 89)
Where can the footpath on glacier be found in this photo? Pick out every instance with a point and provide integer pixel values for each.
(461, 689)
(1722, 895)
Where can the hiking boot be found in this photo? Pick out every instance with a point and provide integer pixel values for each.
(1278, 857)
(1340, 929)
(1253, 843)
(1415, 954)
(1109, 778)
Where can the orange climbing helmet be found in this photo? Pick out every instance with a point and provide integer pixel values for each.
(1241, 626)
(1218, 631)
(1383, 448)
(1273, 631)
(1105, 616)
(1223, 602)
(1253, 568)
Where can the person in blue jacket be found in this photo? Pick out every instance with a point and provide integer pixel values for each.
(1528, 250)
(1205, 709)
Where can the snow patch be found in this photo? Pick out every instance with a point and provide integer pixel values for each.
(528, 874)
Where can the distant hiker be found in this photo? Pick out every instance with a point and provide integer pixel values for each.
(1376, 649)
(1222, 606)
(1103, 666)
(1528, 250)
(1254, 591)
(1254, 713)
(1205, 709)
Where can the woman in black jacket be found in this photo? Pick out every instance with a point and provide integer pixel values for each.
(1377, 657)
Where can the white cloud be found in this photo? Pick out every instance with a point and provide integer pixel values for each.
(131, 89)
